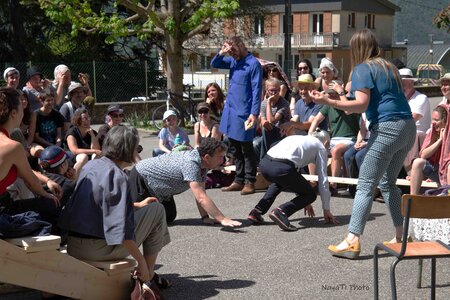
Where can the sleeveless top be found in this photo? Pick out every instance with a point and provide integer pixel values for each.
(210, 131)
(12, 173)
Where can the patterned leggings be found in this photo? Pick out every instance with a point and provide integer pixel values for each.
(388, 145)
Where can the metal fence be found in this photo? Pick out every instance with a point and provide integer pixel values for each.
(109, 81)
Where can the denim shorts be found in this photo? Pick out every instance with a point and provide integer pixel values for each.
(431, 171)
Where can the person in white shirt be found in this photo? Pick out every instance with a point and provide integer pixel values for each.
(418, 102)
(445, 89)
(420, 109)
(280, 166)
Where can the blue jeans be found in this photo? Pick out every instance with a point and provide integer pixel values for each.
(387, 148)
(357, 155)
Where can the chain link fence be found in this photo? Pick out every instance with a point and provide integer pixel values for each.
(109, 81)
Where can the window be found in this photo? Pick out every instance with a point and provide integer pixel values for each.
(205, 62)
(351, 20)
(259, 25)
(369, 21)
(317, 23)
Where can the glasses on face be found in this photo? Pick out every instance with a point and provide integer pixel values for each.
(274, 91)
(303, 68)
(203, 111)
(273, 70)
(116, 115)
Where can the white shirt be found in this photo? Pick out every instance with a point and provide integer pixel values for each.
(419, 104)
(303, 150)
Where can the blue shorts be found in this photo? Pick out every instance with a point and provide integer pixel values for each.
(431, 171)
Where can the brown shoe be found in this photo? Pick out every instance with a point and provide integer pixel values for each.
(235, 186)
(249, 188)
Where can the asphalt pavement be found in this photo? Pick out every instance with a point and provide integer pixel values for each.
(263, 262)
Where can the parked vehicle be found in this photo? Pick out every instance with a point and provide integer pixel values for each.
(429, 74)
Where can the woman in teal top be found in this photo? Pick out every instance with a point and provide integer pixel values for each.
(378, 91)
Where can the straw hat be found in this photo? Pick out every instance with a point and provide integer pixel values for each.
(307, 79)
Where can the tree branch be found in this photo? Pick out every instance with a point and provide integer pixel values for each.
(206, 24)
(188, 8)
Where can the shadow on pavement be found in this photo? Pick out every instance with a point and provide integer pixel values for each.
(200, 287)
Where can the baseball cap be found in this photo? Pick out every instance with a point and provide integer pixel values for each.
(203, 105)
(52, 156)
(169, 113)
(114, 108)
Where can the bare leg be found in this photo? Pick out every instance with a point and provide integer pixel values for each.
(417, 175)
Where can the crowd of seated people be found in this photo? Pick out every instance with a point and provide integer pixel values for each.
(38, 118)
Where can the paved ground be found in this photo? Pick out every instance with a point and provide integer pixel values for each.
(262, 262)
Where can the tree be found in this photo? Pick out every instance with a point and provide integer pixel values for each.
(175, 20)
(442, 20)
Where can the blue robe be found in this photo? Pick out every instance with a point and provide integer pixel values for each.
(244, 95)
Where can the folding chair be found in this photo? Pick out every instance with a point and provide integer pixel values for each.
(422, 207)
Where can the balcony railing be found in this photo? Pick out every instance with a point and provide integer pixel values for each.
(298, 40)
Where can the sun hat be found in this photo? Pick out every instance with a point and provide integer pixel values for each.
(446, 77)
(73, 86)
(9, 71)
(169, 113)
(307, 79)
(203, 105)
(34, 71)
(114, 108)
(52, 156)
(406, 74)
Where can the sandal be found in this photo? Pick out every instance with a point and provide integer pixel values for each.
(351, 251)
(161, 282)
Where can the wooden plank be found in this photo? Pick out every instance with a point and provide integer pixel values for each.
(58, 273)
(125, 263)
(36, 243)
(347, 180)
(354, 181)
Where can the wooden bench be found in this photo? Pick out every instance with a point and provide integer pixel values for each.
(331, 179)
(38, 263)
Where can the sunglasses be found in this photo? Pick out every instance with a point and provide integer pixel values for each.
(274, 90)
(303, 68)
(273, 70)
(116, 115)
(203, 111)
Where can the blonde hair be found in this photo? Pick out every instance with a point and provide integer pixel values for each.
(364, 49)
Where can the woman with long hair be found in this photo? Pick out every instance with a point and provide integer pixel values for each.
(14, 165)
(215, 98)
(378, 91)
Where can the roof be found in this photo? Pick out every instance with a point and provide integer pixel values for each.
(420, 54)
(369, 6)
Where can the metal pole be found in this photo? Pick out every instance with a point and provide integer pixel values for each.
(146, 79)
(95, 79)
(287, 38)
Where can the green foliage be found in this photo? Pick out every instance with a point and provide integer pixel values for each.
(442, 20)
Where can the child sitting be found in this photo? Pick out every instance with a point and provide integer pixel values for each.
(171, 137)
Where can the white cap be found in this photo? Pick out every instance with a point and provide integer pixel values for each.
(169, 113)
(9, 70)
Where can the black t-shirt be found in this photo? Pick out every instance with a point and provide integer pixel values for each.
(47, 125)
(82, 142)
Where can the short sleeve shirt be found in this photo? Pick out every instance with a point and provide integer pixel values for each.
(169, 139)
(341, 124)
(170, 174)
(46, 126)
(306, 111)
(281, 107)
(387, 100)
